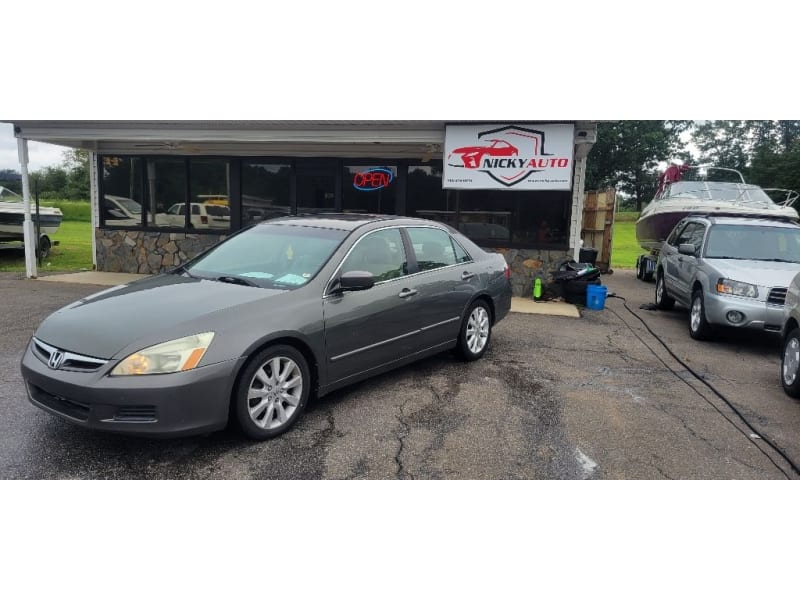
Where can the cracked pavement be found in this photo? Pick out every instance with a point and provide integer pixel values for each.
(554, 398)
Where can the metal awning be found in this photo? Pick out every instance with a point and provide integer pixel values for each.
(386, 139)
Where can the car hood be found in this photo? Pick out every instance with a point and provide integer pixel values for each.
(757, 272)
(103, 324)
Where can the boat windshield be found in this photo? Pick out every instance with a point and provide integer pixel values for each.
(719, 190)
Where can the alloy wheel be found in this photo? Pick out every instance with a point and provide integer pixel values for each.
(694, 317)
(275, 392)
(477, 329)
(791, 360)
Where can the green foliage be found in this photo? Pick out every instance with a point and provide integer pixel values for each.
(73, 210)
(70, 180)
(627, 153)
(766, 152)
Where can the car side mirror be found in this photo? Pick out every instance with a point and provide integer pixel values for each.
(686, 249)
(355, 280)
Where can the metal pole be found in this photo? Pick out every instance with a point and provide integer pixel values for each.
(27, 224)
(38, 223)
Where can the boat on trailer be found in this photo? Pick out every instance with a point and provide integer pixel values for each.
(684, 190)
(12, 216)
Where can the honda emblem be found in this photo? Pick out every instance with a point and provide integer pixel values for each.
(56, 358)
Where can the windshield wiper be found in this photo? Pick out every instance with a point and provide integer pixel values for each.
(786, 260)
(237, 280)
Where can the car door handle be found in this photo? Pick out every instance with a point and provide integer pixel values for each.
(467, 275)
(407, 293)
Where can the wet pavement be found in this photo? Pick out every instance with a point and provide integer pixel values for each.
(554, 398)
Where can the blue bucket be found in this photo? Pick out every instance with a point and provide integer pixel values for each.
(596, 297)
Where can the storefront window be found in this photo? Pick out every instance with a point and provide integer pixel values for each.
(426, 198)
(121, 205)
(369, 189)
(266, 190)
(486, 215)
(210, 185)
(316, 190)
(522, 219)
(166, 193)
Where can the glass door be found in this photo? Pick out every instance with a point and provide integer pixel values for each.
(316, 188)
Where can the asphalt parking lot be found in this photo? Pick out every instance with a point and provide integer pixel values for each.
(554, 398)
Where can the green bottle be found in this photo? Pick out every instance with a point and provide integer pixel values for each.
(537, 288)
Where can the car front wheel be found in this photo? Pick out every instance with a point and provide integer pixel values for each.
(699, 328)
(663, 300)
(476, 331)
(272, 392)
(790, 364)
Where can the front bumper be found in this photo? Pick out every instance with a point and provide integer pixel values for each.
(175, 404)
(757, 314)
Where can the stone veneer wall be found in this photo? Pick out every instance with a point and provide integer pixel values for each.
(148, 252)
(528, 264)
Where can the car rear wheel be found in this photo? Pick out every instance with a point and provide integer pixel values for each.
(476, 331)
(663, 300)
(790, 364)
(699, 328)
(272, 392)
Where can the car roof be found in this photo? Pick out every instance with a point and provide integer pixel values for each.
(747, 220)
(350, 221)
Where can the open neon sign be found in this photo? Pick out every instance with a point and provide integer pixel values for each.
(373, 179)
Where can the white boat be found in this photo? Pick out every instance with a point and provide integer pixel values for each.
(681, 194)
(12, 215)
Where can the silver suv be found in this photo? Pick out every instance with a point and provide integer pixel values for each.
(729, 271)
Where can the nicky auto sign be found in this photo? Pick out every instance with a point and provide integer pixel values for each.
(518, 157)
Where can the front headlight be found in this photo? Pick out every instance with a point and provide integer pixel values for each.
(170, 357)
(737, 288)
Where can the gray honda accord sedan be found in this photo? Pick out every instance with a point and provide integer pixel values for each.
(251, 329)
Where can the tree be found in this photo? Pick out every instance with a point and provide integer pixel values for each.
(767, 153)
(627, 153)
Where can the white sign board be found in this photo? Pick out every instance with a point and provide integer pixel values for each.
(513, 157)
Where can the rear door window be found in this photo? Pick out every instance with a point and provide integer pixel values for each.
(433, 248)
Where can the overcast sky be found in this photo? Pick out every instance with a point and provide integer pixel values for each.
(39, 155)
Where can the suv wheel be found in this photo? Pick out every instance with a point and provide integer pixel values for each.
(790, 364)
(699, 328)
(663, 300)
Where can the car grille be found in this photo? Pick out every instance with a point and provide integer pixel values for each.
(136, 414)
(61, 405)
(70, 361)
(777, 296)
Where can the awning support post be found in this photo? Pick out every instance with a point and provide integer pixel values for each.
(29, 235)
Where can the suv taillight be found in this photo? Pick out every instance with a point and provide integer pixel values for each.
(507, 272)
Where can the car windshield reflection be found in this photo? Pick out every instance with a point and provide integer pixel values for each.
(270, 256)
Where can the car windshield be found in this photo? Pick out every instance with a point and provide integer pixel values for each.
(131, 206)
(272, 256)
(749, 242)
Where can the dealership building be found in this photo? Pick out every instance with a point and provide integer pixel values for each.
(163, 191)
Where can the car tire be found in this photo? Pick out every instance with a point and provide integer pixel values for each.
(699, 327)
(663, 300)
(476, 332)
(43, 250)
(640, 269)
(265, 407)
(790, 363)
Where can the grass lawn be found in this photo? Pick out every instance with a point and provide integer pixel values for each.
(73, 253)
(624, 248)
